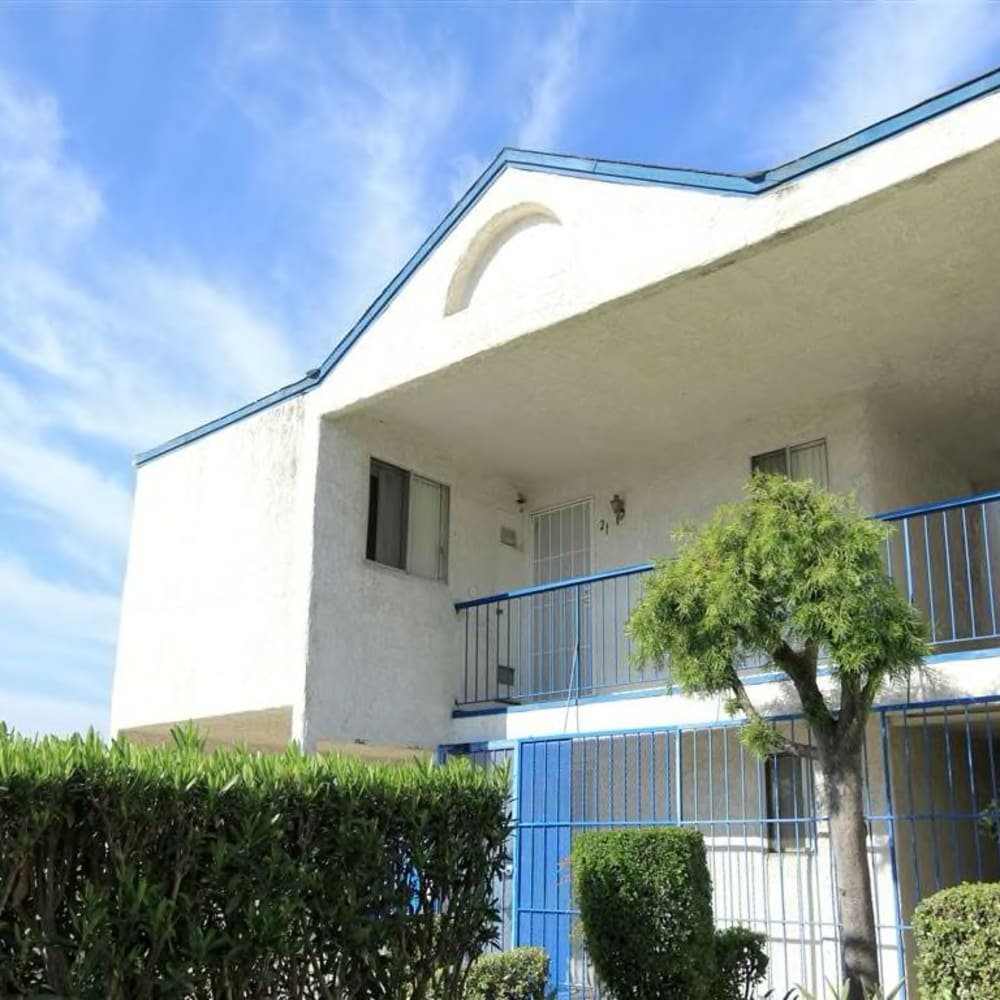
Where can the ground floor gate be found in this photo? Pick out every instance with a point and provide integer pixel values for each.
(931, 771)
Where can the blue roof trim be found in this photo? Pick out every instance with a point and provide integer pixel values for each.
(606, 170)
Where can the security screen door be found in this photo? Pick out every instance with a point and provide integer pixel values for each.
(561, 538)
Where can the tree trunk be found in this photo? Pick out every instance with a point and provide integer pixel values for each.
(842, 773)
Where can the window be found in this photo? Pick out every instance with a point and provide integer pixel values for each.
(799, 461)
(407, 521)
(790, 802)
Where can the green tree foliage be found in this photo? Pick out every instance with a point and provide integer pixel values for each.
(787, 573)
(131, 872)
(519, 974)
(645, 900)
(957, 932)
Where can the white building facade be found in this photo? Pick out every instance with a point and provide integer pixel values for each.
(430, 544)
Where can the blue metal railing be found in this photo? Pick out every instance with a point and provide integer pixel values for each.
(567, 639)
(944, 558)
(558, 640)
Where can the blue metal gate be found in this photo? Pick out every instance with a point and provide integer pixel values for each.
(543, 915)
(931, 770)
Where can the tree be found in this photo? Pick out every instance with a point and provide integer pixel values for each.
(793, 573)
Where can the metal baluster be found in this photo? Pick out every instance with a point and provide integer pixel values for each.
(893, 866)
(968, 575)
(947, 563)
(959, 869)
(465, 615)
(991, 600)
(930, 580)
(977, 839)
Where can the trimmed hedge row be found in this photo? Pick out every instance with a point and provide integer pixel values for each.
(957, 932)
(134, 872)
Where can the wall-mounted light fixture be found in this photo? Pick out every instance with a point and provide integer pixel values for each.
(618, 508)
(521, 501)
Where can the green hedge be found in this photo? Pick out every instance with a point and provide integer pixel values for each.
(520, 974)
(134, 872)
(646, 908)
(957, 932)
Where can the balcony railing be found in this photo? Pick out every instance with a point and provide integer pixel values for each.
(566, 640)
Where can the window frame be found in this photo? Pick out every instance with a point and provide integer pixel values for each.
(406, 527)
(788, 450)
(802, 822)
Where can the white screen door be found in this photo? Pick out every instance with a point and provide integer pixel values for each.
(561, 539)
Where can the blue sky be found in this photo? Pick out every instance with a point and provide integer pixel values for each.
(197, 199)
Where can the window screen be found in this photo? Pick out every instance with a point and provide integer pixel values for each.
(772, 462)
(428, 528)
(799, 461)
(808, 461)
(407, 521)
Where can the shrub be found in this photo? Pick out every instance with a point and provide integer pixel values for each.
(520, 974)
(957, 933)
(645, 906)
(138, 872)
(741, 962)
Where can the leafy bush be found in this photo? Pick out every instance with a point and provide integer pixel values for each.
(646, 909)
(741, 962)
(957, 932)
(131, 872)
(520, 974)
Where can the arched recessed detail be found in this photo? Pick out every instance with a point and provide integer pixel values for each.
(485, 245)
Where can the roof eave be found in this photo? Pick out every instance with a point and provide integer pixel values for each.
(606, 170)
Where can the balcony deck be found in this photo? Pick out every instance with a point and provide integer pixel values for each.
(566, 640)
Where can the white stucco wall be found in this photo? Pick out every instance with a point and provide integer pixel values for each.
(685, 484)
(385, 646)
(214, 605)
(908, 469)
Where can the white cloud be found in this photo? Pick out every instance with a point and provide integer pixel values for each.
(555, 85)
(355, 138)
(64, 489)
(55, 636)
(867, 61)
(43, 199)
(84, 615)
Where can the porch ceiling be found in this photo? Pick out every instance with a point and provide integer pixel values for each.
(901, 290)
(268, 729)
